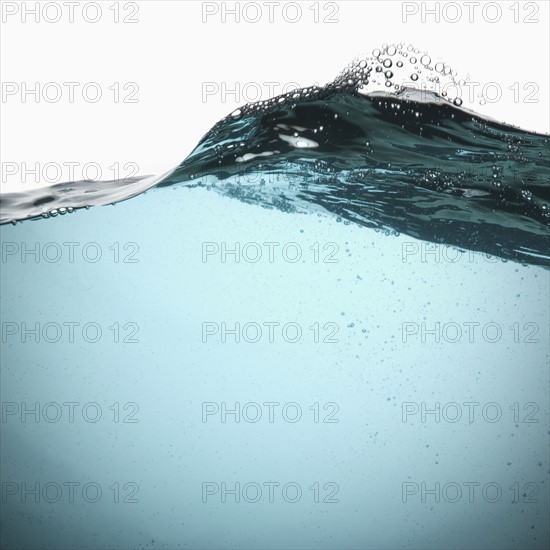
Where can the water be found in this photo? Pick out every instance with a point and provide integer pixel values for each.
(401, 274)
(410, 161)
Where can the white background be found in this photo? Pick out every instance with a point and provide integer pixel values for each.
(170, 52)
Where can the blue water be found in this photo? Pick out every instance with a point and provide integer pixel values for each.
(394, 288)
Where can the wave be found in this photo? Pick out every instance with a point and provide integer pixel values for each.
(402, 161)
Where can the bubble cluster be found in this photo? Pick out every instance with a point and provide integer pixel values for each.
(58, 212)
(393, 68)
(410, 68)
(293, 97)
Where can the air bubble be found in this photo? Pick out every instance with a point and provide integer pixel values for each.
(425, 60)
(400, 63)
(458, 101)
(392, 50)
(387, 63)
(414, 77)
(388, 74)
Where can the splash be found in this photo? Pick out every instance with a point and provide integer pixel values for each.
(386, 145)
